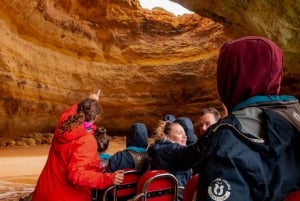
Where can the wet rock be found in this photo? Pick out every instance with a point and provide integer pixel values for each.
(31, 142)
(31, 139)
(11, 143)
(21, 143)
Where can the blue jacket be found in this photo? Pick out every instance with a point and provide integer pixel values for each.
(253, 154)
(135, 155)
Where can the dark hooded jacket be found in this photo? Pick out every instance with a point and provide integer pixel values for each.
(165, 155)
(188, 127)
(253, 154)
(135, 155)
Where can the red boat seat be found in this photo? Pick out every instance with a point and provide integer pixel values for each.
(293, 196)
(190, 189)
(157, 185)
(126, 190)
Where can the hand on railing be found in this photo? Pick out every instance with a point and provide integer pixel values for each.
(119, 177)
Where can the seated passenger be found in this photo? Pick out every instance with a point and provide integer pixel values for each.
(188, 127)
(169, 139)
(208, 117)
(102, 140)
(253, 154)
(135, 155)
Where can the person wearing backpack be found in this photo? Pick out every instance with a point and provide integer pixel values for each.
(253, 153)
(135, 155)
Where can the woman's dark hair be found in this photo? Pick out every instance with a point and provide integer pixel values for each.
(102, 139)
(87, 110)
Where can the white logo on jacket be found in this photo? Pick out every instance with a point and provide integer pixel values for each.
(219, 189)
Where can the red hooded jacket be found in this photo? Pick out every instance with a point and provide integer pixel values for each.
(72, 167)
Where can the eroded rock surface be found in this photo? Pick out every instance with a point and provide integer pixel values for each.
(276, 20)
(147, 63)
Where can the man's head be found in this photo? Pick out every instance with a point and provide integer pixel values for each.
(247, 67)
(208, 117)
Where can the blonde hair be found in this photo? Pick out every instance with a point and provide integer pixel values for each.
(163, 129)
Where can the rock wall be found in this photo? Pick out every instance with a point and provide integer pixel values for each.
(147, 63)
(277, 20)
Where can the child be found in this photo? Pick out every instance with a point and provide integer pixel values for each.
(102, 140)
(135, 155)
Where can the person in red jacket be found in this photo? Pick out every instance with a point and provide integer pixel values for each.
(72, 167)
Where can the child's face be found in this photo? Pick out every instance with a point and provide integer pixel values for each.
(177, 134)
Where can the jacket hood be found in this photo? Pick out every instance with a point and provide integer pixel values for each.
(169, 117)
(137, 136)
(68, 136)
(247, 67)
(188, 127)
(267, 126)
